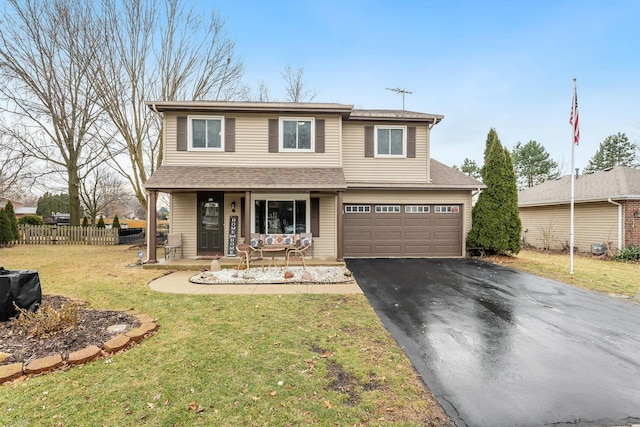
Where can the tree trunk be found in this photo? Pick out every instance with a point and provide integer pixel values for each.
(74, 197)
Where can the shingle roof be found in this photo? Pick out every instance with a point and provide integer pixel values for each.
(187, 178)
(183, 178)
(395, 115)
(618, 182)
(448, 177)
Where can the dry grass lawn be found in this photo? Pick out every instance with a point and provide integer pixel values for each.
(288, 360)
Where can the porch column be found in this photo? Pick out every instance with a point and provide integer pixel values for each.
(246, 224)
(152, 197)
(340, 239)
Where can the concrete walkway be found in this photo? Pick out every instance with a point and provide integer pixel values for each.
(178, 283)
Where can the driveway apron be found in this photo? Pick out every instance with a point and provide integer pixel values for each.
(499, 347)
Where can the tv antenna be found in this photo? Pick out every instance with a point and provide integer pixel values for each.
(399, 91)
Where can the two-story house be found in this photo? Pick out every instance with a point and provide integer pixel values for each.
(361, 181)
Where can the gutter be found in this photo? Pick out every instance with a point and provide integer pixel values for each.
(619, 222)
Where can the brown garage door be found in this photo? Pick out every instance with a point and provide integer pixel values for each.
(402, 230)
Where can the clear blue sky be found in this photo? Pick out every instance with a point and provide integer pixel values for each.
(503, 64)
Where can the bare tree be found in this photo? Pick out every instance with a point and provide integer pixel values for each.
(99, 190)
(16, 175)
(157, 51)
(46, 54)
(296, 89)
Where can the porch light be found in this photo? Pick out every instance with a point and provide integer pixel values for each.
(233, 206)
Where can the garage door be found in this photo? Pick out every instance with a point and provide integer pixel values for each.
(402, 230)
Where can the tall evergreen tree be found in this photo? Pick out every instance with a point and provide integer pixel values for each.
(615, 150)
(469, 167)
(495, 218)
(533, 164)
(85, 221)
(5, 228)
(116, 222)
(101, 223)
(13, 221)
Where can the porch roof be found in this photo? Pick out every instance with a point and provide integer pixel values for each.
(186, 178)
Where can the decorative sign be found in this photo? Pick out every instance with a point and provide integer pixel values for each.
(233, 235)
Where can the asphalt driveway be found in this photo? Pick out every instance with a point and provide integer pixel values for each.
(503, 348)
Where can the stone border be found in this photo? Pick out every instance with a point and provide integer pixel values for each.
(50, 363)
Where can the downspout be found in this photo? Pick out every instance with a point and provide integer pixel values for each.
(619, 223)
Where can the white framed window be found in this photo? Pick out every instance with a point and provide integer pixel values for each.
(206, 133)
(281, 213)
(447, 209)
(387, 208)
(417, 209)
(297, 134)
(390, 141)
(357, 209)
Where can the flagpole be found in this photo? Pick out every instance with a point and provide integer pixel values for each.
(573, 174)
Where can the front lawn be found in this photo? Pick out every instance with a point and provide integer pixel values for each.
(217, 360)
(593, 273)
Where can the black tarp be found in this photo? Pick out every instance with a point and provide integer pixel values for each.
(21, 287)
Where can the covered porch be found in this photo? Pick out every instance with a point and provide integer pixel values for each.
(215, 208)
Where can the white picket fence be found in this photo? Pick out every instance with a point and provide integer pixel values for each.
(66, 235)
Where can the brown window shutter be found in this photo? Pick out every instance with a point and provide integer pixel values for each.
(315, 216)
(319, 135)
(230, 134)
(368, 141)
(411, 142)
(182, 134)
(274, 144)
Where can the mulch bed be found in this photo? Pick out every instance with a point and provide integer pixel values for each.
(91, 329)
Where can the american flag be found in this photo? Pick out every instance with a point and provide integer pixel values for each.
(573, 120)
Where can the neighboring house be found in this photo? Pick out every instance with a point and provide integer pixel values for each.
(25, 210)
(19, 208)
(361, 181)
(606, 210)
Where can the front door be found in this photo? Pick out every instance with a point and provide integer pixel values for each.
(210, 224)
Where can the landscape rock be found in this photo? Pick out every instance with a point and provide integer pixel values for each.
(288, 274)
(306, 277)
(43, 364)
(10, 372)
(116, 343)
(84, 355)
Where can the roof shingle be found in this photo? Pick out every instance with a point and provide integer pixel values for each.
(618, 182)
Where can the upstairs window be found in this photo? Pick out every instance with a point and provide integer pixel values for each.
(297, 134)
(391, 141)
(207, 133)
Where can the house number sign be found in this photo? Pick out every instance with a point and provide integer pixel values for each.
(233, 235)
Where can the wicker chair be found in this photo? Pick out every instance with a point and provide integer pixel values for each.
(248, 254)
(304, 244)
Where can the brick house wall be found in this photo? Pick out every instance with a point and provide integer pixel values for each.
(632, 223)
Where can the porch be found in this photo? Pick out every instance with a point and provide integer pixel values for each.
(195, 264)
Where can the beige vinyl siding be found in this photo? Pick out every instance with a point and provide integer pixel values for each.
(549, 226)
(252, 145)
(358, 168)
(416, 197)
(183, 219)
(325, 246)
(228, 198)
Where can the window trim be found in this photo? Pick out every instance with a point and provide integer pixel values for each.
(275, 197)
(447, 209)
(417, 209)
(312, 135)
(385, 209)
(404, 142)
(190, 146)
(357, 209)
